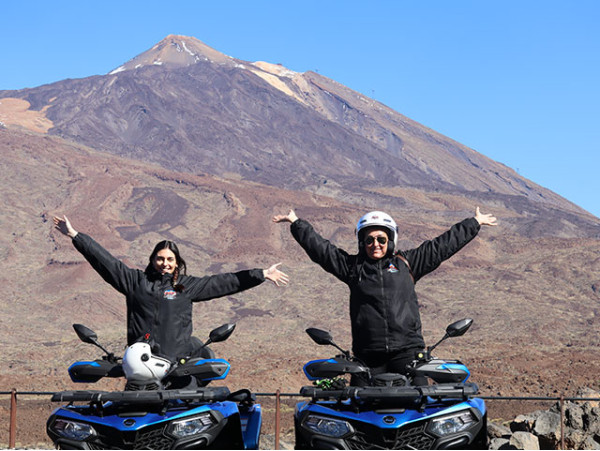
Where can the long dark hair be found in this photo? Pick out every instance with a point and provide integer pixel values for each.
(181, 267)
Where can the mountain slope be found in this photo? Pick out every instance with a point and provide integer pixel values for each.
(190, 108)
(534, 301)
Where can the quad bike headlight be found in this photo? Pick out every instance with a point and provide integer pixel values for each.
(191, 426)
(327, 426)
(451, 424)
(73, 430)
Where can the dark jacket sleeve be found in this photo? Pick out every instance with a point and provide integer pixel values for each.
(111, 269)
(332, 259)
(218, 285)
(429, 255)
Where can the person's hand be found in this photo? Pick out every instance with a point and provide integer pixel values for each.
(64, 226)
(290, 217)
(277, 277)
(486, 219)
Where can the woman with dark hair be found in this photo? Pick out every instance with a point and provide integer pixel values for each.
(165, 262)
(159, 299)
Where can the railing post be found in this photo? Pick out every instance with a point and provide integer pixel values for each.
(277, 405)
(562, 421)
(12, 432)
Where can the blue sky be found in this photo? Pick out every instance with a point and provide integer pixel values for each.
(518, 81)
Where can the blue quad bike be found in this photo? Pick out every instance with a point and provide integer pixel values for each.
(151, 413)
(388, 411)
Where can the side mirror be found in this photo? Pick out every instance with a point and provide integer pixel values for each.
(459, 327)
(455, 329)
(85, 334)
(221, 333)
(321, 337)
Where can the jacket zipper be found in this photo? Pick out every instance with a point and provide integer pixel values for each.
(385, 305)
(160, 292)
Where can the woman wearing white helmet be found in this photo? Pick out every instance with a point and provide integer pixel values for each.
(384, 312)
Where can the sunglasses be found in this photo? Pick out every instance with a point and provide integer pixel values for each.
(380, 239)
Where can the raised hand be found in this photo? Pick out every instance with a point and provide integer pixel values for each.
(64, 226)
(290, 217)
(277, 277)
(485, 219)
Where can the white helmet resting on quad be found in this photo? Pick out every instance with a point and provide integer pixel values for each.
(143, 368)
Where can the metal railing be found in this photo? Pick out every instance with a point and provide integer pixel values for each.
(278, 395)
(12, 428)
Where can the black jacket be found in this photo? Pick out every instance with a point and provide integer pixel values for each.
(153, 306)
(384, 311)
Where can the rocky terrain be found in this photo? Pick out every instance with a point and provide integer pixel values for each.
(565, 425)
(140, 155)
(534, 301)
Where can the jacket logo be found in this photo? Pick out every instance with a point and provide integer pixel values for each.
(169, 294)
(392, 268)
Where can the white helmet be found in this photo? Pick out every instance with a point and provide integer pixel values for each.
(379, 219)
(139, 365)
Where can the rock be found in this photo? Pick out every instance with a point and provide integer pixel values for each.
(547, 429)
(522, 423)
(587, 392)
(573, 415)
(574, 439)
(497, 430)
(524, 440)
(590, 443)
(527, 422)
(591, 419)
(499, 443)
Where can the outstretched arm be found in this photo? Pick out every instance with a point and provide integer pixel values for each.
(430, 254)
(277, 277)
(64, 226)
(320, 250)
(111, 269)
